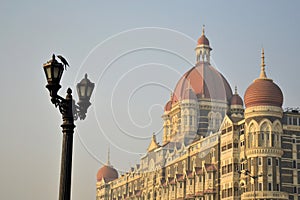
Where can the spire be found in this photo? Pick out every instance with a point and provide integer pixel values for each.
(235, 90)
(108, 157)
(262, 71)
(153, 144)
(154, 137)
(203, 29)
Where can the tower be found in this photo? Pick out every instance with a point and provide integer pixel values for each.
(203, 49)
(263, 132)
(236, 105)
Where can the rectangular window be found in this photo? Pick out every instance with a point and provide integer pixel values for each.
(290, 119)
(235, 145)
(277, 162)
(260, 186)
(269, 161)
(295, 121)
(229, 168)
(259, 161)
(230, 192)
(270, 186)
(224, 148)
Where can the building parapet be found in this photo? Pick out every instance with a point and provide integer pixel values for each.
(265, 195)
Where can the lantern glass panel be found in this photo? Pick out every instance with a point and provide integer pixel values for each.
(89, 91)
(48, 72)
(82, 90)
(56, 71)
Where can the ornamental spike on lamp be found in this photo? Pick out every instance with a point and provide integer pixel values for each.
(70, 111)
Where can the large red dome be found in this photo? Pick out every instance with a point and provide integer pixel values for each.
(205, 81)
(108, 173)
(263, 92)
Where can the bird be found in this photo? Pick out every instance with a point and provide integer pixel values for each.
(64, 61)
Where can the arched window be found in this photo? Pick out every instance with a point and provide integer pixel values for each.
(191, 120)
(250, 135)
(265, 130)
(218, 119)
(185, 120)
(210, 120)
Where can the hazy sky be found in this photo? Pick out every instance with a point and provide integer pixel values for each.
(135, 52)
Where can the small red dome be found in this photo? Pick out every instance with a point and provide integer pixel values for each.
(168, 106)
(236, 100)
(108, 173)
(263, 92)
(205, 82)
(203, 40)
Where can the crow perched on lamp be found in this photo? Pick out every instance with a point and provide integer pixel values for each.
(64, 61)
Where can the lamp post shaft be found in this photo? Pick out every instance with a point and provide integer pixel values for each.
(67, 149)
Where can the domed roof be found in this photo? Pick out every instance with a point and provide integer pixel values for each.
(263, 91)
(203, 40)
(236, 99)
(108, 173)
(205, 81)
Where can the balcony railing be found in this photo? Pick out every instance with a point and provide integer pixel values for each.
(265, 195)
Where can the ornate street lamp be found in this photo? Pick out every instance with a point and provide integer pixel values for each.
(70, 112)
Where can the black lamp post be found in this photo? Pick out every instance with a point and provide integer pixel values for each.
(70, 112)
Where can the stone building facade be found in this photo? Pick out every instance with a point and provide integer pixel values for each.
(213, 147)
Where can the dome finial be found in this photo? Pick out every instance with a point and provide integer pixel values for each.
(235, 90)
(262, 71)
(203, 29)
(108, 157)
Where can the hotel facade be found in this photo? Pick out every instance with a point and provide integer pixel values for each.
(215, 145)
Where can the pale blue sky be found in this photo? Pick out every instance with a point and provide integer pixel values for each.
(136, 83)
